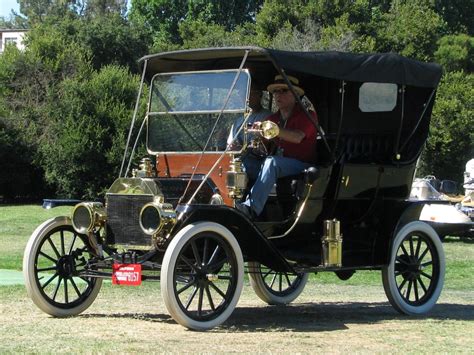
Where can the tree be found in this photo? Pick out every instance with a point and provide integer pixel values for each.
(82, 150)
(458, 14)
(456, 52)
(451, 141)
(411, 28)
(163, 18)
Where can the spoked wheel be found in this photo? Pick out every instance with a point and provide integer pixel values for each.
(54, 257)
(414, 277)
(273, 287)
(202, 275)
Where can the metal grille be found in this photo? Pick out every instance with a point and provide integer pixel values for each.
(123, 213)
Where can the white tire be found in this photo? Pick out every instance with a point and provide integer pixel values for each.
(414, 277)
(276, 288)
(53, 256)
(202, 275)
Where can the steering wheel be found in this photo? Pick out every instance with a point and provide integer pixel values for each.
(261, 136)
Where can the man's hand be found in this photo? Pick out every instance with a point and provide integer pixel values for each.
(267, 129)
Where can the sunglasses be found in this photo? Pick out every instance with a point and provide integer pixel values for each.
(280, 91)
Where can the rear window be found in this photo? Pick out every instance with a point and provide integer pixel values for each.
(377, 97)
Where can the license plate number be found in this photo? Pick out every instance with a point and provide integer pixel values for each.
(127, 274)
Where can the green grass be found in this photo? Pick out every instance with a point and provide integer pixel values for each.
(18, 222)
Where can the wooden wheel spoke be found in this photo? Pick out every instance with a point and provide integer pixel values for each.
(49, 281)
(266, 274)
(217, 265)
(400, 287)
(209, 298)
(273, 280)
(217, 289)
(63, 248)
(72, 243)
(410, 283)
(418, 247)
(51, 268)
(52, 247)
(185, 287)
(280, 281)
(197, 257)
(57, 288)
(48, 257)
(205, 251)
(404, 250)
(420, 281)
(190, 298)
(426, 275)
(73, 283)
(412, 250)
(200, 297)
(428, 263)
(424, 253)
(214, 254)
(415, 289)
(66, 296)
(288, 280)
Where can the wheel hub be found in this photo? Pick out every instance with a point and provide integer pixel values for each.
(411, 268)
(65, 266)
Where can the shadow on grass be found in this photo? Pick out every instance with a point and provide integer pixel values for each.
(311, 317)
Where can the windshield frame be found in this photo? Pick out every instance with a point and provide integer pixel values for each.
(183, 114)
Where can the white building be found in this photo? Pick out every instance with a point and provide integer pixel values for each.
(8, 36)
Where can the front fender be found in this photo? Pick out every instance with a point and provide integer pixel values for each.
(254, 245)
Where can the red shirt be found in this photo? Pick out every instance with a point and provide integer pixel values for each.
(306, 149)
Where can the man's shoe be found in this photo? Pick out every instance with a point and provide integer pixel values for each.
(244, 209)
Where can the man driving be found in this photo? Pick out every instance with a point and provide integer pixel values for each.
(295, 144)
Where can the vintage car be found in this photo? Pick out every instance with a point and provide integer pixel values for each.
(442, 209)
(173, 218)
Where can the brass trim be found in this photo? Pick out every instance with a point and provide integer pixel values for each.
(97, 216)
(166, 214)
(298, 216)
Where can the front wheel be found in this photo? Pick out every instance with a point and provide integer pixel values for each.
(202, 275)
(414, 277)
(54, 257)
(276, 288)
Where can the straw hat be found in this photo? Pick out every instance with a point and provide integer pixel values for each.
(279, 83)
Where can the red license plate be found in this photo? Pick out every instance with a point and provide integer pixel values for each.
(127, 274)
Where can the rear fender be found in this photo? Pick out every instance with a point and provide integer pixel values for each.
(255, 246)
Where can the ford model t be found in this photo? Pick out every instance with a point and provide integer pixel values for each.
(173, 218)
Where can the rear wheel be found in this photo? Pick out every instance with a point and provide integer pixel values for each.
(54, 257)
(273, 287)
(414, 277)
(202, 275)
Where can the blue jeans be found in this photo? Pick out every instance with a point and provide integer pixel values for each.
(273, 168)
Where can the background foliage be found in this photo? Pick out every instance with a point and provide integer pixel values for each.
(67, 99)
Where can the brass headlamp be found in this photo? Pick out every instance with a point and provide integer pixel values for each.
(156, 216)
(88, 215)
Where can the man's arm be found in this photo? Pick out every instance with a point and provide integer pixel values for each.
(291, 135)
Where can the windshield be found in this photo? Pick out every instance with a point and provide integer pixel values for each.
(184, 108)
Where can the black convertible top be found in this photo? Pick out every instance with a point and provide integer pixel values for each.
(377, 67)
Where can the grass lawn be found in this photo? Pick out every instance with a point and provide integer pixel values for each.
(330, 315)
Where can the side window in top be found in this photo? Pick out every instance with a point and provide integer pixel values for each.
(377, 97)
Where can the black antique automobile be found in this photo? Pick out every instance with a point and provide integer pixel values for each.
(173, 218)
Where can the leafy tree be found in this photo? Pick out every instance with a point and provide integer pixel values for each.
(163, 18)
(450, 144)
(456, 52)
(82, 150)
(411, 28)
(458, 14)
